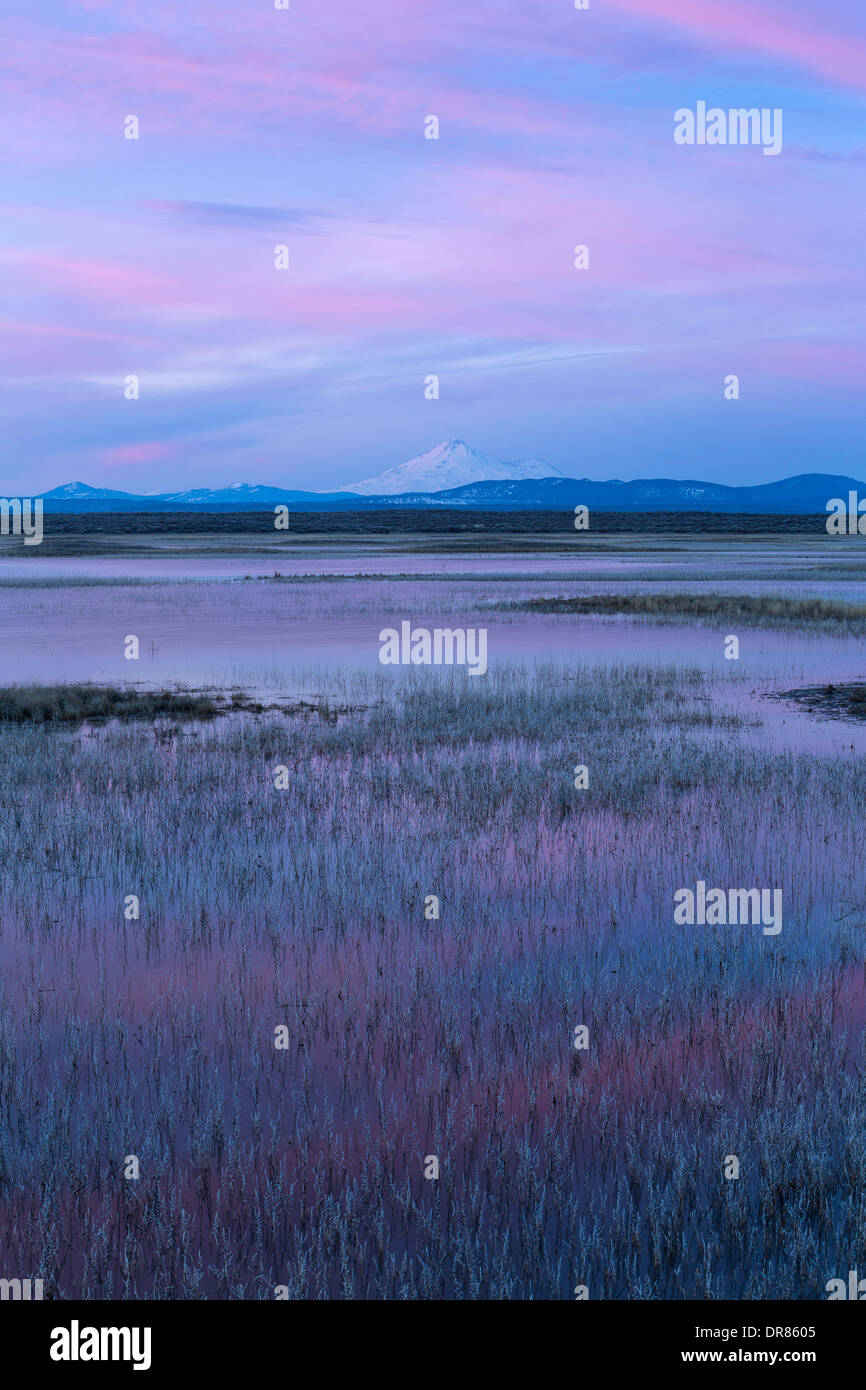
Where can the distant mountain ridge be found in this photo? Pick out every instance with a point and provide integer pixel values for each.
(802, 493)
(529, 485)
(244, 494)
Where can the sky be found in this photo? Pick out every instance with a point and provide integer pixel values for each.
(411, 257)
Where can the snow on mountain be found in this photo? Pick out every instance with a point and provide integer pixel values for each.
(232, 492)
(449, 464)
(83, 492)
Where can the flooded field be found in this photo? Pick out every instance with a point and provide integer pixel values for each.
(284, 959)
(235, 622)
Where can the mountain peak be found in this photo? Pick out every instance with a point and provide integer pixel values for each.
(452, 463)
(83, 491)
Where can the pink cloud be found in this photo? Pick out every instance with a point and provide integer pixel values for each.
(60, 330)
(105, 279)
(144, 452)
(779, 33)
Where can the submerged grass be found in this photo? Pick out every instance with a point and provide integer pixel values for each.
(409, 1036)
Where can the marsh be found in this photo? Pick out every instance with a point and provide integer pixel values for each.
(303, 905)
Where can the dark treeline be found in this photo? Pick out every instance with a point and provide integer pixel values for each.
(429, 521)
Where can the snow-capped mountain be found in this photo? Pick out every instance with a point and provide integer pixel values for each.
(83, 492)
(449, 464)
(232, 492)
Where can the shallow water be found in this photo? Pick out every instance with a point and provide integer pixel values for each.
(268, 637)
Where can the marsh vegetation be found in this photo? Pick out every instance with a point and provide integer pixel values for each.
(304, 907)
(763, 610)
